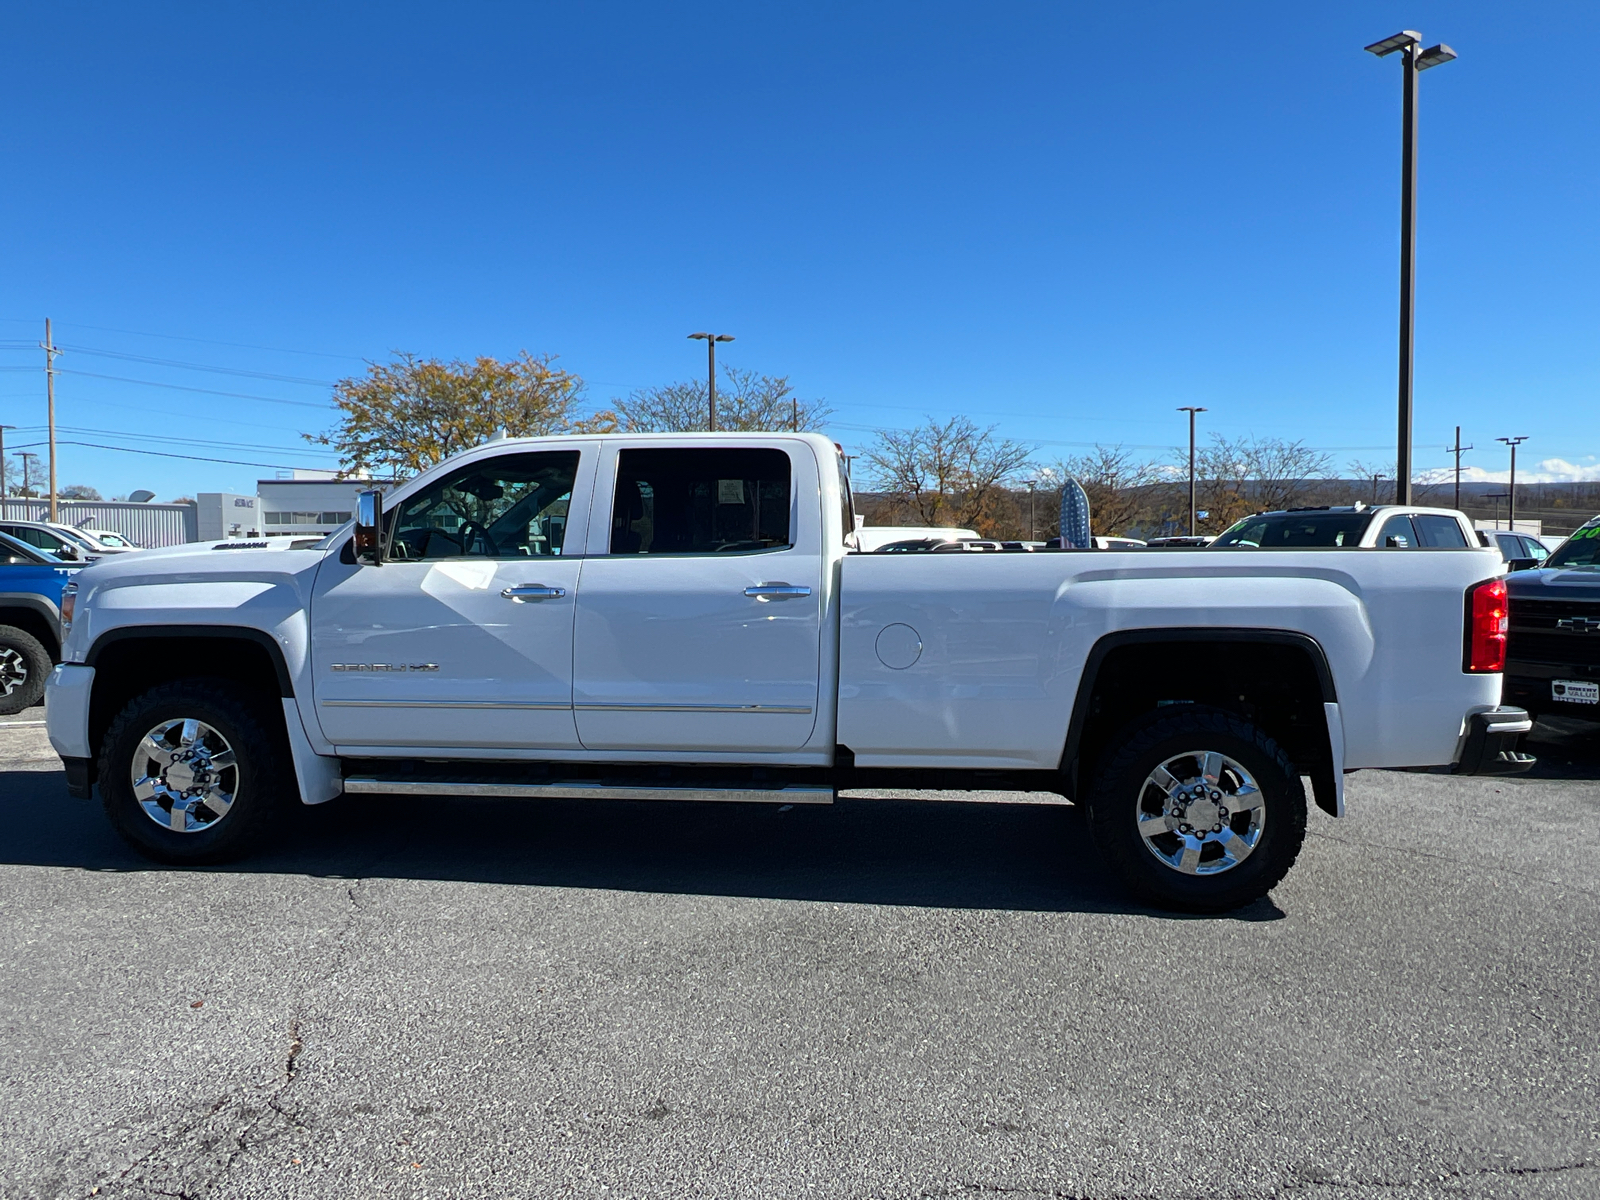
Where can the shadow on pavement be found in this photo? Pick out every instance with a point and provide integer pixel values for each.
(1027, 857)
(1566, 749)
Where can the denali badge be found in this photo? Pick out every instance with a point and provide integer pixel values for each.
(384, 667)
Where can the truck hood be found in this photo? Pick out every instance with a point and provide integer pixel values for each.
(1555, 583)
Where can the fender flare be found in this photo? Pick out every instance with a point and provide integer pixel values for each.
(1326, 785)
(260, 637)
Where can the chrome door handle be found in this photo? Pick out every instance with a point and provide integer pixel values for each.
(521, 593)
(776, 591)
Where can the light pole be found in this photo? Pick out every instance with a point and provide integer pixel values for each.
(28, 459)
(1030, 483)
(1191, 410)
(3, 429)
(1511, 499)
(711, 340)
(1412, 63)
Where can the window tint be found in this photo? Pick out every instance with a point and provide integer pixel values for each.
(700, 501)
(1397, 533)
(1437, 530)
(1285, 531)
(514, 506)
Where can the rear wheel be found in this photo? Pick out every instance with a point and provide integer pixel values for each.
(1199, 811)
(24, 664)
(192, 772)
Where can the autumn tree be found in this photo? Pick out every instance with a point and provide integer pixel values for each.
(947, 474)
(80, 491)
(746, 402)
(405, 415)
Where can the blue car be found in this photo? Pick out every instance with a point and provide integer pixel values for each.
(31, 585)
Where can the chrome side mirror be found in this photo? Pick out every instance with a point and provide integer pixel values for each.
(369, 528)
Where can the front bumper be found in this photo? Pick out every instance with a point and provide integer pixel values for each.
(1490, 744)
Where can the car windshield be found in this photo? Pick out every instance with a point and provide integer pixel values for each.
(1582, 549)
(1283, 531)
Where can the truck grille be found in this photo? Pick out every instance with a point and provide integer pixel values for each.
(1536, 635)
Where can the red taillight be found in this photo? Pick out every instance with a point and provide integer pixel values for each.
(1488, 618)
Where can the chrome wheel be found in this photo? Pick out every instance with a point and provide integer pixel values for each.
(1201, 813)
(185, 775)
(13, 670)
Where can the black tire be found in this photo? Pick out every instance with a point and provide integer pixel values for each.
(1119, 794)
(262, 779)
(24, 666)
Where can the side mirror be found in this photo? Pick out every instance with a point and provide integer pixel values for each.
(70, 553)
(369, 528)
(1520, 564)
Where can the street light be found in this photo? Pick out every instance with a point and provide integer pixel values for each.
(1511, 499)
(1031, 483)
(1412, 62)
(1191, 410)
(711, 340)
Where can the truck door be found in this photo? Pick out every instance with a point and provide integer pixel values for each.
(699, 622)
(464, 637)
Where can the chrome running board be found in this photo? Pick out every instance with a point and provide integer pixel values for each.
(586, 789)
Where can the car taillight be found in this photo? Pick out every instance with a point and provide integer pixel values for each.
(1488, 618)
(69, 602)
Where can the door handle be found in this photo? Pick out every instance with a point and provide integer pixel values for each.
(776, 591)
(521, 593)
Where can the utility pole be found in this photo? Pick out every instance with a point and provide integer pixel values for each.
(50, 353)
(28, 458)
(1030, 483)
(1456, 450)
(3, 429)
(1511, 500)
(1413, 61)
(1191, 410)
(711, 340)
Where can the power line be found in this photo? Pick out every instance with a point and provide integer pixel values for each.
(179, 387)
(174, 337)
(188, 366)
(189, 457)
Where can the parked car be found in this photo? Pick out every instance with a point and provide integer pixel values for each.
(870, 538)
(32, 582)
(62, 541)
(678, 616)
(1390, 526)
(1553, 647)
(109, 542)
(1521, 551)
(1180, 541)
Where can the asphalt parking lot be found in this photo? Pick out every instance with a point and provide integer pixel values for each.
(886, 998)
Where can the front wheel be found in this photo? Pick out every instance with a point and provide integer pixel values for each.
(1199, 811)
(24, 663)
(191, 772)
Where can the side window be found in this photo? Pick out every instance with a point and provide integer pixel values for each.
(1510, 544)
(1536, 550)
(1437, 530)
(849, 515)
(700, 501)
(513, 506)
(1397, 533)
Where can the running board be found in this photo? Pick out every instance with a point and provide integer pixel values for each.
(586, 789)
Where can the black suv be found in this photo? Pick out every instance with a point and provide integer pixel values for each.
(1553, 653)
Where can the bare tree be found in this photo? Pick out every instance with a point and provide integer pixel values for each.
(1120, 486)
(1239, 476)
(947, 474)
(745, 401)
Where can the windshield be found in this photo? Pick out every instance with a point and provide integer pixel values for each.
(1582, 549)
(1287, 531)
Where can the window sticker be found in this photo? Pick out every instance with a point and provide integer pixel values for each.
(730, 491)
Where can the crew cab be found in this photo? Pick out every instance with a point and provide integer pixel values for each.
(686, 617)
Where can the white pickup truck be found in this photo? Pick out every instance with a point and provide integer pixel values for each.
(676, 616)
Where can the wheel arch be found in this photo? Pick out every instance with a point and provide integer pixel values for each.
(36, 615)
(132, 659)
(1278, 679)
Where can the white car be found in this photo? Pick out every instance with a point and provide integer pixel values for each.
(1357, 526)
(870, 538)
(681, 616)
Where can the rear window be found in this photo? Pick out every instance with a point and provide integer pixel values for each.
(1291, 531)
(700, 501)
(1440, 531)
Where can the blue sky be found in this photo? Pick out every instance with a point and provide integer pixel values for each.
(1063, 219)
